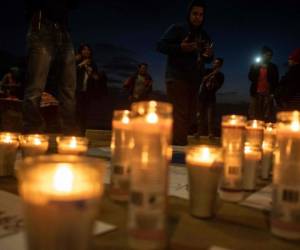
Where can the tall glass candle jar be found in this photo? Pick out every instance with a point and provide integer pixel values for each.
(72, 145)
(61, 195)
(8, 149)
(233, 140)
(121, 146)
(285, 218)
(255, 133)
(151, 131)
(34, 144)
(205, 169)
(251, 166)
(268, 148)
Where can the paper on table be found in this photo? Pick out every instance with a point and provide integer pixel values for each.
(261, 200)
(178, 185)
(12, 237)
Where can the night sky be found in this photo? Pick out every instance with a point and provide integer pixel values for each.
(127, 31)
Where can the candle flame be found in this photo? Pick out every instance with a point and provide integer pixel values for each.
(152, 118)
(233, 120)
(73, 142)
(254, 124)
(205, 154)
(247, 149)
(7, 139)
(37, 141)
(125, 119)
(63, 179)
(295, 125)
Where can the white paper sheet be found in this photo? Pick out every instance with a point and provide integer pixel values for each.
(261, 200)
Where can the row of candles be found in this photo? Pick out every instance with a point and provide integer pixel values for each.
(61, 193)
(33, 145)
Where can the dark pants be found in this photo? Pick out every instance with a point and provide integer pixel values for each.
(184, 97)
(261, 108)
(50, 45)
(207, 113)
(82, 105)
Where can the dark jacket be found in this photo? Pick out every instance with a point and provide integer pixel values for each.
(181, 65)
(208, 93)
(273, 77)
(288, 93)
(129, 85)
(81, 74)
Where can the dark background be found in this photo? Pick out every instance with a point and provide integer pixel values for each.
(124, 33)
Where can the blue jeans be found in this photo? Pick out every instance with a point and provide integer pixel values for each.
(50, 47)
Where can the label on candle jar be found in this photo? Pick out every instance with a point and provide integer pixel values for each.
(146, 217)
(286, 209)
(120, 181)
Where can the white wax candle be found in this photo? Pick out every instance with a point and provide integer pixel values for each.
(61, 197)
(250, 169)
(72, 145)
(33, 145)
(8, 149)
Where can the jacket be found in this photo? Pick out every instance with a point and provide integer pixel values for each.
(272, 76)
(180, 65)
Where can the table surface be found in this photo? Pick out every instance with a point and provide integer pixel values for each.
(235, 227)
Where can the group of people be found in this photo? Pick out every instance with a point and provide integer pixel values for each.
(191, 88)
(269, 92)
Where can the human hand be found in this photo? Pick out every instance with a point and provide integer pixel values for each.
(208, 52)
(187, 46)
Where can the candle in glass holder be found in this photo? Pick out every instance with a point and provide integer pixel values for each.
(268, 149)
(251, 166)
(61, 195)
(151, 128)
(32, 145)
(8, 149)
(285, 218)
(121, 146)
(233, 140)
(72, 145)
(205, 169)
(255, 133)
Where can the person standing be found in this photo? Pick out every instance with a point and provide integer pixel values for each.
(188, 48)
(139, 85)
(49, 46)
(289, 85)
(211, 83)
(264, 79)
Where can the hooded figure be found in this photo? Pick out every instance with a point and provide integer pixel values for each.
(188, 47)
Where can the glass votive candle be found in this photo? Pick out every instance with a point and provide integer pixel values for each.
(255, 133)
(285, 218)
(72, 145)
(251, 167)
(233, 140)
(8, 149)
(121, 146)
(267, 161)
(34, 144)
(61, 195)
(205, 170)
(151, 132)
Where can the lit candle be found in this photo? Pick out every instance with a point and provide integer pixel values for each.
(251, 166)
(151, 130)
(72, 145)
(285, 219)
(268, 148)
(121, 146)
(8, 150)
(34, 144)
(255, 133)
(205, 169)
(233, 139)
(61, 195)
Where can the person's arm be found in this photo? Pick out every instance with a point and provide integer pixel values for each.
(170, 41)
(252, 75)
(208, 52)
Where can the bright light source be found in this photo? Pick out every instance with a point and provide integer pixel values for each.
(258, 59)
